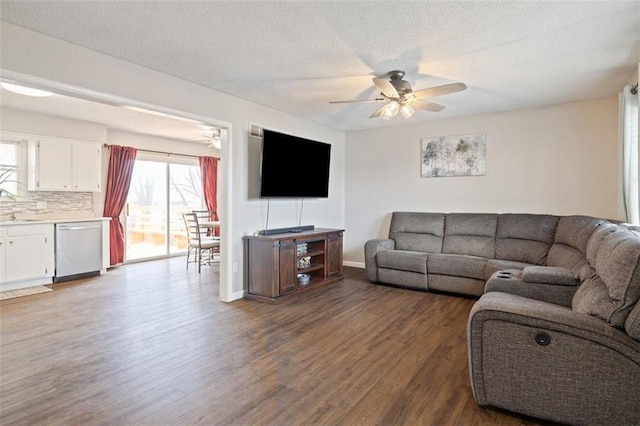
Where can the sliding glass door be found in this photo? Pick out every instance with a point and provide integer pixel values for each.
(161, 190)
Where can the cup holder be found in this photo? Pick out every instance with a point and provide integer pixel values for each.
(504, 275)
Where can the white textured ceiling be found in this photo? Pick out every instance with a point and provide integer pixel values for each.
(296, 56)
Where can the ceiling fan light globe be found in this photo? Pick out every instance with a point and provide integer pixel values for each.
(391, 110)
(407, 111)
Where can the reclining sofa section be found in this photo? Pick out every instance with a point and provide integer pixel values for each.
(459, 252)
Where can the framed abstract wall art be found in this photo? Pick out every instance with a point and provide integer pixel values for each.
(459, 155)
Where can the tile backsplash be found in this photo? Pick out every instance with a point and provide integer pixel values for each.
(71, 203)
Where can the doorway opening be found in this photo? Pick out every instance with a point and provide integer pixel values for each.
(118, 103)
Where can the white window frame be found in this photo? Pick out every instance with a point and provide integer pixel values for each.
(19, 142)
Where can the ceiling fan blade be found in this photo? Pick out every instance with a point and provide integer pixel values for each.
(427, 106)
(386, 87)
(378, 112)
(439, 90)
(357, 100)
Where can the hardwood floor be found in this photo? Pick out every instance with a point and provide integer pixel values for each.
(151, 344)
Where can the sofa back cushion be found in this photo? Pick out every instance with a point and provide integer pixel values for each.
(612, 293)
(472, 234)
(525, 237)
(570, 244)
(596, 240)
(417, 231)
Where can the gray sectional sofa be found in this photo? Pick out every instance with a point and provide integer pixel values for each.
(556, 331)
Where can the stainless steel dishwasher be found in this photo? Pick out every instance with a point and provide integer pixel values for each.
(78, 249)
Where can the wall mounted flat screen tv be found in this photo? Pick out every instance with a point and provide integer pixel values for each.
(293, 167)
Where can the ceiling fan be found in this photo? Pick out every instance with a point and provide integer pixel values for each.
(213, 140)
(401, 97)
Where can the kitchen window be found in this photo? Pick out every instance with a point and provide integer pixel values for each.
(9, 166)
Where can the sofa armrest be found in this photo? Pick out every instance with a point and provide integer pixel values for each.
(548, 275)
(371, 248)
(545, 360)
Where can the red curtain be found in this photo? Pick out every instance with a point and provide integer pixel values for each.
(121, 165)
(209, 172)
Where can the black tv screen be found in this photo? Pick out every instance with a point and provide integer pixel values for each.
(293, 167)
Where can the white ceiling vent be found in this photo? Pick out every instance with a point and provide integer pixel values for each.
(255, 130)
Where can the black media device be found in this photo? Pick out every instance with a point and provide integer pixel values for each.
(294, 229)
(293, 167)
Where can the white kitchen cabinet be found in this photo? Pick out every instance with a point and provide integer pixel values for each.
(27, 255)
(64, 165)
(86, 165)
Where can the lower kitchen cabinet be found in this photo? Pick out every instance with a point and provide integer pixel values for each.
(27, 255)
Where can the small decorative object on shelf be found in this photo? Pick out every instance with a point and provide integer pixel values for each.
(301, 248)
(304, 262)
(303, 279)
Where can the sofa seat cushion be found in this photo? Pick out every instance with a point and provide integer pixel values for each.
(549, 275)
(495, 265)
(613, 292)
(404, 260)
(456, 265)
(525, 237)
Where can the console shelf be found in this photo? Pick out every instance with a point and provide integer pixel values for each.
(273, 263)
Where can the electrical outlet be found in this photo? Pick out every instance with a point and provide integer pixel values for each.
(235, 266)
(41, 205)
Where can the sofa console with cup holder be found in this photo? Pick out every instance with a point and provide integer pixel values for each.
(556, 331)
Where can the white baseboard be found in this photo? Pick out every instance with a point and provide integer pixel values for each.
(353, 264)
(236, 296)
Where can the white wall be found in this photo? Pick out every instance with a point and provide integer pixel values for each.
(559, 159)
(14, 120)
(29, 53)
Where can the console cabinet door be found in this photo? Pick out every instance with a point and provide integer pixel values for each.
(287, 266)
(334, 255)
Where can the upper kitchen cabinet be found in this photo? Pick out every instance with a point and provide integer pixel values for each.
(64, 165)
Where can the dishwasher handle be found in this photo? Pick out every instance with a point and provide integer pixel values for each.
(63, 227)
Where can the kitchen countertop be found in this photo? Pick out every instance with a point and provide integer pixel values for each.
(46, 221)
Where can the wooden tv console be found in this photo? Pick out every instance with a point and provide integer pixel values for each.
(274, 263)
